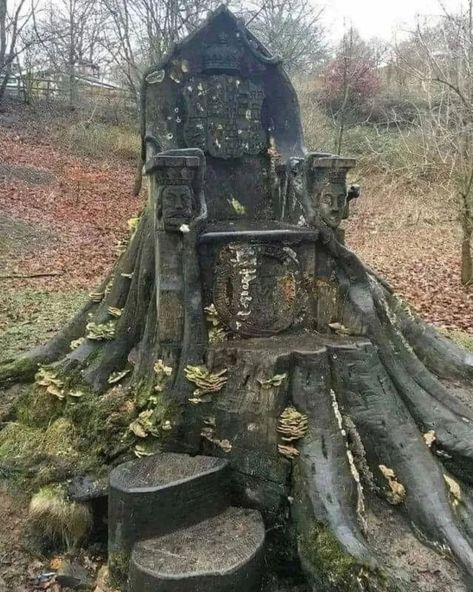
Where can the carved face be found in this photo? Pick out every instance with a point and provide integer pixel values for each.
(177, 205)
(332, 203)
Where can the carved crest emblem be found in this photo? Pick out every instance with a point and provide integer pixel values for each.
(256, 288)
(224, 116)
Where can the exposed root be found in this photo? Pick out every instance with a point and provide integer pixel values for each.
(335, 496)
(372, 410)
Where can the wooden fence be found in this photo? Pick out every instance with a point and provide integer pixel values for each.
(29, 90)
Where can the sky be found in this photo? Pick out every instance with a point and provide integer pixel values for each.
(378, 18)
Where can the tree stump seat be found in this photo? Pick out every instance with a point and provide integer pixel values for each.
(221, 554)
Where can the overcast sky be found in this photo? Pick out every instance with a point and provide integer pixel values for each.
(378, 18)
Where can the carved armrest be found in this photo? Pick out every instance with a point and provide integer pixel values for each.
(177, 188)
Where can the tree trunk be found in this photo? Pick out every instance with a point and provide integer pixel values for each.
(312, 424)
(466, 258)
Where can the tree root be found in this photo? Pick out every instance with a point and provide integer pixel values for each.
(386, 386)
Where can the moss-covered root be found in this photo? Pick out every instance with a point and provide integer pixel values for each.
(351, 380)
(23, 368)
(328, 506)
(329, 480)
(102, 308)
(329, 567)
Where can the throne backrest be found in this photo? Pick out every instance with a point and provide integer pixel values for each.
(221, 91)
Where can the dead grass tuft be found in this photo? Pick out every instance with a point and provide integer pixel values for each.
(56, 520)
(99, 141)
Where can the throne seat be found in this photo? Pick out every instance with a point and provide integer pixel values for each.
(256, 231)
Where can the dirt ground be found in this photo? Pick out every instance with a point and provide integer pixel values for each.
(410, 235)
(420, 568)
(16, 562)
(61, 217)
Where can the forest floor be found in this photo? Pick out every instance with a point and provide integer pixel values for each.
(62, 215)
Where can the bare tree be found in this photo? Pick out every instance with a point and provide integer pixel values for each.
(140, 32)
(351, 80)
(70, 34)
(442, 59)
(14, 18)
(291, 29)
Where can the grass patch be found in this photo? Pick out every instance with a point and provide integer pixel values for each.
(461, 338)
(30, 317)
(99, 140)
(19, 236)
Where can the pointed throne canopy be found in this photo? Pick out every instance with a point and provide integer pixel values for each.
(221, 91)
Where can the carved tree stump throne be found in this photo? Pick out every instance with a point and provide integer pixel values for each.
(251, 333)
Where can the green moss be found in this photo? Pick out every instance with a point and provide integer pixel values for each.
(37, 408)
(59, 439)
(91, 429)
(102, 423)
(96, 425)
(331, 566)
(118, 565)
(19, 441)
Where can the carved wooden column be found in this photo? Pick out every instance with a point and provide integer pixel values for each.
(326, 188)
(176, 193)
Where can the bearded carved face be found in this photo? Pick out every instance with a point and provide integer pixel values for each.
(327, 187)
(332, 202)
(329, 196)
(176, 205)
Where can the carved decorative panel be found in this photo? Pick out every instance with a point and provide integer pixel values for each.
(256, 288)
(224, 116)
